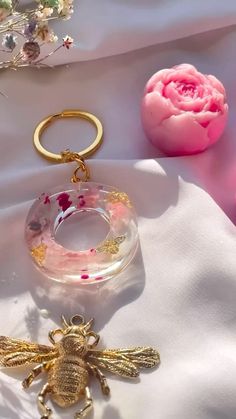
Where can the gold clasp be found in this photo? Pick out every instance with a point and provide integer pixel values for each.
(68, 157)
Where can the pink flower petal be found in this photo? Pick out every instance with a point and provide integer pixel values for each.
(217, 84)
(171, 138)
(216, 127)
(156, 108)
(160, 76)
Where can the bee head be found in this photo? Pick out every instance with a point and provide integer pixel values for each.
(77, 334)
(77, 325)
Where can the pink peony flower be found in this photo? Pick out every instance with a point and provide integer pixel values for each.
(183, 110)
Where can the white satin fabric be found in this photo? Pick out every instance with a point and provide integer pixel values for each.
(179, 294)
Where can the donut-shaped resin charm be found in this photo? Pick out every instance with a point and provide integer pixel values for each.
(99, 263)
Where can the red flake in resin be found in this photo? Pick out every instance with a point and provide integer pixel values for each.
(63, 201)
(98, 278)
(92, 250)
(81, 201)
(84, 276)
(47, 200)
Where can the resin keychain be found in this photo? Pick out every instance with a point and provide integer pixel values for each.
(55, 207)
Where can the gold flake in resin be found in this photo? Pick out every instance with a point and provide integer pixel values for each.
(119, 197)
(39, 253)
(111, 246)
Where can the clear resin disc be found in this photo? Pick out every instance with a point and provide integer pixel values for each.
(80, 209)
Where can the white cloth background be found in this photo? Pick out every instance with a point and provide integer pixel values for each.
(179, 294)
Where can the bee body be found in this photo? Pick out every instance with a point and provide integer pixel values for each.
(67, 380)
(70, 360)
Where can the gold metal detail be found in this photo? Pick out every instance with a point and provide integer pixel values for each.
(119, 197)
(69, 113)
(69, 157)
(39, 253)
(111, 246)
(70, 360)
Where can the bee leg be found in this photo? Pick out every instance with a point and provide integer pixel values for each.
(44, 410)
(88, 406)
(33, 374)
(101, 378)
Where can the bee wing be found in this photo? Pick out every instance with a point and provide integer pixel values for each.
(114, 249)
(15, 352)
(120, 239)
(101, 249)
(125, 362)
(111, 246)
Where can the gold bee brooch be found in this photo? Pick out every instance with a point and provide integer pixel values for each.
(69, 362)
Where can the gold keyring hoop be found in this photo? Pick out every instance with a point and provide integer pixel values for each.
(68, 113)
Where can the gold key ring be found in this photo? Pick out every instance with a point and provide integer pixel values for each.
(69, 113)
